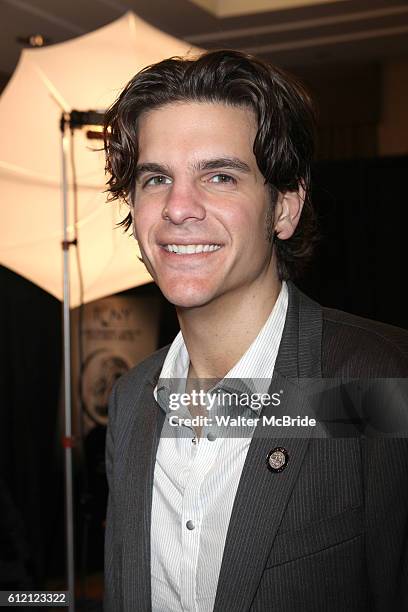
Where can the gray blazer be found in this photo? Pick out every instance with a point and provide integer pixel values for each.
(330, 532)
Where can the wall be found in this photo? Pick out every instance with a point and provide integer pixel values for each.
(393, 127)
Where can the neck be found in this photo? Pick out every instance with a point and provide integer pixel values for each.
(218, 334)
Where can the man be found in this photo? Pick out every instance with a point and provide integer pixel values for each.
(213, 156)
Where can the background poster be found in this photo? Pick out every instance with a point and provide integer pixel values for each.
(116, 333)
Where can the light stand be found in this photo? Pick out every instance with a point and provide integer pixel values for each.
(73, 120)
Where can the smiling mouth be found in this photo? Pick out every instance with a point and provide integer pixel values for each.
(190, 249)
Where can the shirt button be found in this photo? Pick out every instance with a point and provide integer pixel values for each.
(211, 437)
(190, 525)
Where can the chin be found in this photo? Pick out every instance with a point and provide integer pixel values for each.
(187, 295)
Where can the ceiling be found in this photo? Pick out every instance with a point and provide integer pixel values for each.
(228, 8)
(289, 32)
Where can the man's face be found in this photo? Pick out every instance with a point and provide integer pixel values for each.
(200, 203)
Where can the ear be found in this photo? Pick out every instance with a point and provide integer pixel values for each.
(287, 212)
(134, 235)
(132, 216)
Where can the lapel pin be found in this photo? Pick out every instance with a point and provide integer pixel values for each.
(277, 459)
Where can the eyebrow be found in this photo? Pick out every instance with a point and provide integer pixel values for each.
(150, 167)
(227, 163)
(230, 163)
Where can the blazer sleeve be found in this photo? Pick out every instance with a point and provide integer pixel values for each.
(110, 600)
(386, 506)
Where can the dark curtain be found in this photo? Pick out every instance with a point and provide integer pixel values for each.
(359, 267)
(360, 264)
(30, 365)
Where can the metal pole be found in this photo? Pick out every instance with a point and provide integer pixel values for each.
(68, 441)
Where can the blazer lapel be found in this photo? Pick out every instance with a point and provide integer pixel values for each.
(262, 496)
(135, 574)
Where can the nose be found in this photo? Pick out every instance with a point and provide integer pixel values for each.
(183, 204)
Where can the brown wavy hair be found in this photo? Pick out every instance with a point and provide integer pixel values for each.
(283, 146)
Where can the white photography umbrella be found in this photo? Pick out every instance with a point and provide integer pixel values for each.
(44, 204)
(82, 74)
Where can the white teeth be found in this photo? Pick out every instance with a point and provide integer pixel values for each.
(191, 249)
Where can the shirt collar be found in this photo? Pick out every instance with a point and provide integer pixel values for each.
(256, 364)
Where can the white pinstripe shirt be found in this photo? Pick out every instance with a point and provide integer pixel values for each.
(195, 483)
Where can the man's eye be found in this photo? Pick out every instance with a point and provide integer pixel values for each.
(158, 180)
(222, 178)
